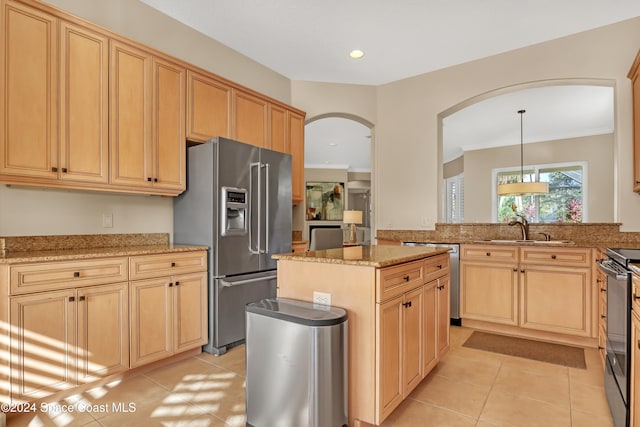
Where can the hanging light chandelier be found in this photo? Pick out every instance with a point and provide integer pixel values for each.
(521, 188)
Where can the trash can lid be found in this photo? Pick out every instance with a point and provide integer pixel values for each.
(302, 312)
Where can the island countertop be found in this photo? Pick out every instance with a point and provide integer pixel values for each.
(372, 256)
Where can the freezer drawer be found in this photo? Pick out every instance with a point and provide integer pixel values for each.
(227, 300)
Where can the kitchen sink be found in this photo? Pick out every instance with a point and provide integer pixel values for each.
(536, 242)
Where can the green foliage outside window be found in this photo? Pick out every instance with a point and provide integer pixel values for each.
(563, 203)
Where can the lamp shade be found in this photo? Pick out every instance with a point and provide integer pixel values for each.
(520, 188)
(352, 217)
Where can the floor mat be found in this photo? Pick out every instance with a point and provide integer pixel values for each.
(558, 354)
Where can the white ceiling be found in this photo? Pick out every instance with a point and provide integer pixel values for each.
(337, 143)
(310, 40)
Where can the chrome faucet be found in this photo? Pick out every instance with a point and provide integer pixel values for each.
(524, 226)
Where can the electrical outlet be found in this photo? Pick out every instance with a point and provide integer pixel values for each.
(107, 220)
(321, 298)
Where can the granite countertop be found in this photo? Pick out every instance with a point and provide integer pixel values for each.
(15, 257)
(372, 256)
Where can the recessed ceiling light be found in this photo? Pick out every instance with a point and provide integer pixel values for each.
(356, 54)
(332, 144)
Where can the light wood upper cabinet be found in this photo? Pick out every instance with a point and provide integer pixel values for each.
(208, 107)
(147, 121)
(278, 138)
(250, 115)
(84, 105)
(29, 97)
(168, 133)
(634, 75)
(131, 104)
(296, 149)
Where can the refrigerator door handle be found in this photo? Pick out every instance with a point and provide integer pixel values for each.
(251, 209)
(266, 227)
(227, 284)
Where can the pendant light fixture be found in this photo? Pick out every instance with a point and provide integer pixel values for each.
(521, 188)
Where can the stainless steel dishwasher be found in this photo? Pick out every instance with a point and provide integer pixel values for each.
(454, 266)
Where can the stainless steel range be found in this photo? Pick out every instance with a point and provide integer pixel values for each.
(618, 345)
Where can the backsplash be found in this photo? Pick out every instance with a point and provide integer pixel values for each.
(591, 233)
(82, 241)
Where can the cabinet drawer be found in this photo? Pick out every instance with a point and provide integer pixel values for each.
(489, 253)
(396, 280)
(67, 274)
(149, 266)
(556, 256)
(435, 267)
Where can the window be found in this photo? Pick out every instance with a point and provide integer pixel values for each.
(454, 199)
(563, 203)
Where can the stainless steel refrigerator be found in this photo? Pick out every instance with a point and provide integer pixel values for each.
(237, 202)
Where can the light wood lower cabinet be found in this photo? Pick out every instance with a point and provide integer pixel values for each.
(168, 315)
(398, 324)
(63, 338)
(70, 323)
(634, 375)
(531, 291)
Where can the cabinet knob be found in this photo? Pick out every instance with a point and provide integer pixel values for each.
(72, 299)
(173, 264)
(439, 266)
(155, 179)
(635, 296)
(177, 283)
(82, 298)
(600, 347)
(406, 278)
(488, 253)
(407, 304)
(515, 270)
(149, 179)
(603, 290)
(522, 271)
(170, 284)
(553, 257)
(64, 170)
(602, 316)
(76, 274)
(54, 169)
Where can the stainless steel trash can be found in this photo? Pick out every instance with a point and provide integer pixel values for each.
(296, 364)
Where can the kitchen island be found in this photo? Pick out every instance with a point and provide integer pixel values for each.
(397, 300)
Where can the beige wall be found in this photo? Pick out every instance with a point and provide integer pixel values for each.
(407, 169)
(407, 135)
(597, 151)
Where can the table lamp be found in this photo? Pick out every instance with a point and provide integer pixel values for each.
(353, 218)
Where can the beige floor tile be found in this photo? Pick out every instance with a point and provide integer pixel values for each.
(132, 390)
(591, 377)
(582, 419)
(412, 413)
(535, 366)
(447, 393)
(234, 359)
(589, 399)
(458, 335)
(230, 407)
(466, 370)
(167, 412)
(471, 353)
(506, 409)
(186, 374)
(553, 389)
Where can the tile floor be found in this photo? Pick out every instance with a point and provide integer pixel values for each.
(467, 388)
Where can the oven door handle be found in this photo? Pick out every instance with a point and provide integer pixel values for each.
(229, 284)
(606, 266)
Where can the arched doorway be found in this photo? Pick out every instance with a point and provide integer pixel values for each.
(338, 149)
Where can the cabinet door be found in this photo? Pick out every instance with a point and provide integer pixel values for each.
(444, 307)
(412, 309)
(250, 119)
(556, 299)
(429, 327)
(130, 121)
(278, 138)
(489, 292)
(43, 346)
(151, 320)
(389, 363)
(296, 149)
(29, 92)
(84, 105)
(169, 144)
(634, 75)
(208, 108)
(103, 331)
(190, 311)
